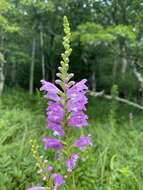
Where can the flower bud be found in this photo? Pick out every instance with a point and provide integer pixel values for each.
(71, 83)
(70, 76)
(40, 171)
(67, 59)
(58, 81)
(50, 168)
(62, 63)
(58, 75)
(65, 176)
(60, 69)
(44, 178)
(45, 161)
(63, 56)
(67, 66)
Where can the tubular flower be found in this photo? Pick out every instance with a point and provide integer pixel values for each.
(51, 90)
(71, 162)
(76, 104)
(78, 119)
(78, 87)
(52, 143)
(58, 180)
(55, 112)
(48, 87)
(83, 142)
(56, 128)
(50, 168)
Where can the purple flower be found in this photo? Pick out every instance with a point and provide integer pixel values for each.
(83, 142)
(48, 87)
(52, 143)
(56, 128)
(78, 119)
(55, 112)
(71, 162)
(36, 188)
(77, 103)
(58, 180)
(78, 87)
(50, 168)
(51, 90)
(52, 96)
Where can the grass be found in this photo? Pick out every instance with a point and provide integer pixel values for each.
(114, 163)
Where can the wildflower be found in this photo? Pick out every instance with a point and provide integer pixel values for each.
(66, 107)
(56, 128)
(78, 119)
(71, 162)
(48, 87)
(50, 168)
(77, 98)
(55, 112)
(77, 103)
(58, 180)
(52, 143)
(78, 87)
(51, 90)
(83, 142)
(52, 96)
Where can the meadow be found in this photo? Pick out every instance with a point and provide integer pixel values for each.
(114, 162)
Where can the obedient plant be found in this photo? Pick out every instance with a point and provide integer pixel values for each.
(65, 114)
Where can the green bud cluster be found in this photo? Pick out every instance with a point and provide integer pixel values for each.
(40, 163)
(64, 64)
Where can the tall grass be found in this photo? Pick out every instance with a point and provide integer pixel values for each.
(115, 162)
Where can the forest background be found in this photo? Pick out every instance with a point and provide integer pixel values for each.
(107, 43)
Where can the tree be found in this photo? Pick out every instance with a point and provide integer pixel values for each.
(7, 28)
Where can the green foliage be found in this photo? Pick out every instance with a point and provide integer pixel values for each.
(92, 34)
(123, 31)
(105, 34)
(4, 6)
(40, 6)
(113, 163)
(3, 21)
(17, 125)
(113, 105)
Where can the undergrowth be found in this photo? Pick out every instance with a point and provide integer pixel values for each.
(114, 163)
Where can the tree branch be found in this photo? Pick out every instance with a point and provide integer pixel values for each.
(109, 97)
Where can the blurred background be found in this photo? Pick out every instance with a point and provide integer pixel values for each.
(107, 43)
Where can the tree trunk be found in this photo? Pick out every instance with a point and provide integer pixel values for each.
(13, 74)
(2, 78)
(124, 60)
(93, 78)
(53, 75)
(31, 81)
(114, 71)
(142, 98)
(42, 51)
